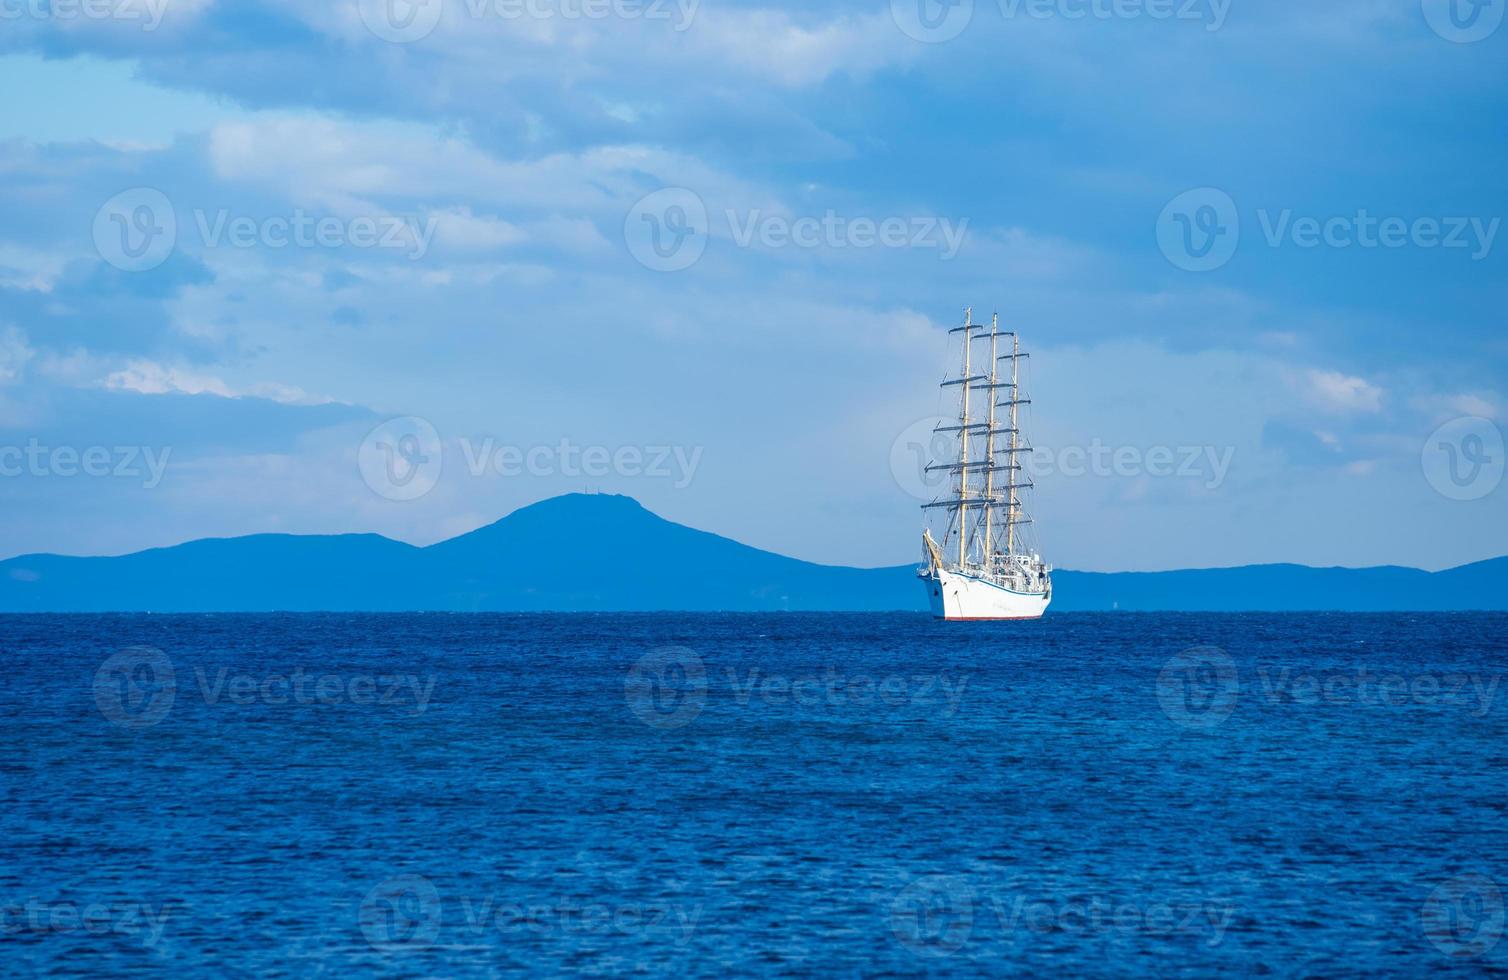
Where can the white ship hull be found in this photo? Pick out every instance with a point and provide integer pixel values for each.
(957, 597)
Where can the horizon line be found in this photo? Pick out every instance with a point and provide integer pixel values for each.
(658, 516)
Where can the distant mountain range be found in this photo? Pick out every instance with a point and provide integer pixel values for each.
(600, 552)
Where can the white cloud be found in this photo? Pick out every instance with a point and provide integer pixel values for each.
(1342, 392)
(1474, 405)
(766, 44)
(321, 161)
(152, 378)
(769, 44)
(14, 353)
(1443, 407)
(572, 234)
(459, 228)
(30, 269)
(1019, 254)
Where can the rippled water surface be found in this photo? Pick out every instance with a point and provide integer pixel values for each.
(488, 795)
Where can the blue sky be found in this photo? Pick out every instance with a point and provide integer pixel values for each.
(1254, 249)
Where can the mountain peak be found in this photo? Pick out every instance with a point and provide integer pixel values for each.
(583, 503)
(567, 510)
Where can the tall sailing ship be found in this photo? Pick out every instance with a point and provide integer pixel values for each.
(984, 566)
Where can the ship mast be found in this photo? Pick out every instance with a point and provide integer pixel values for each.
(1012, 502)
(987, 499)
(989, 443)
(1010, 511)
(963, 443)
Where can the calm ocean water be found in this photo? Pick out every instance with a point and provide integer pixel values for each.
(859, 795)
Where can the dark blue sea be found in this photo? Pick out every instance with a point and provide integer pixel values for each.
(494, 795)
